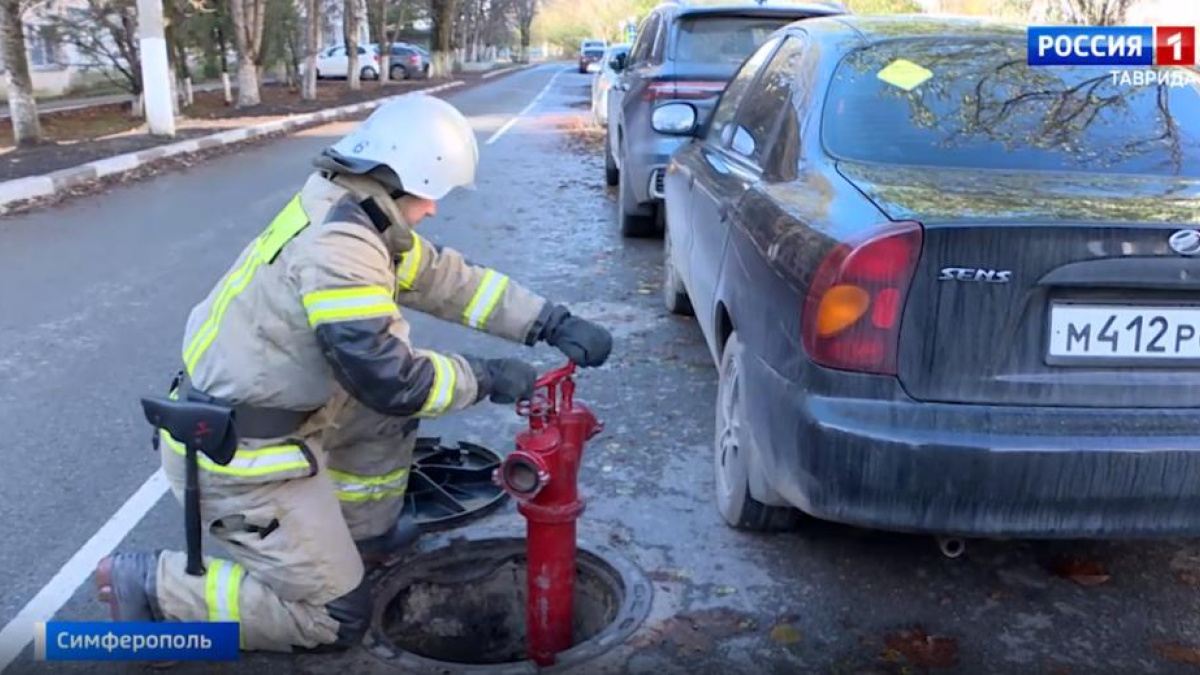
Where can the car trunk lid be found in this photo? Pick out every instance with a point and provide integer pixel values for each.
(1047, 288)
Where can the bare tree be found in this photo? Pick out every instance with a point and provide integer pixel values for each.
(248, 31)
(312, 27)
(1096, 12)
(442, 38)
(350, 36)
(27, 129)
(377, 18)
(526, 11)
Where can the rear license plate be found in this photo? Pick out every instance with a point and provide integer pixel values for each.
(1133, 334)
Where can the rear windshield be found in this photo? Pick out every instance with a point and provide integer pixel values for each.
(976, 104)
(594, 52)
(726, 40)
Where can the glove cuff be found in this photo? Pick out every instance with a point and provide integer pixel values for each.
(483, 377)
(547, 323)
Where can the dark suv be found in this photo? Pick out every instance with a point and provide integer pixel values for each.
(681, 54)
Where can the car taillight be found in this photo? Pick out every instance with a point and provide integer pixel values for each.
(682, 90)
(852, 312)
(413, 58)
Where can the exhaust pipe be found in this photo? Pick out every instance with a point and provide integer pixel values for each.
(952, 547)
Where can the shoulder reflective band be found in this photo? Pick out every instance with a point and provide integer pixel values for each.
(283, 229)
(410, 264)
(490, 290)
(354, 488)
(291, 219)
(441, 394)
(281, 459)
(348, 304)
(223, 581)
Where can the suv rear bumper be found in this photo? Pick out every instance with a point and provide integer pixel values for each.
(646, 155)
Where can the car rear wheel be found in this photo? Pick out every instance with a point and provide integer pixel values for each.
(675, 296)
(369, 73)
(731, 454)
(399, 73)
(611, 173)
(633, 224)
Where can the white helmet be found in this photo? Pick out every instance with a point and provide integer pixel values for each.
(426, 143)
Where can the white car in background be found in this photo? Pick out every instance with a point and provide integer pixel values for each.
(604, 81)
(333, 62)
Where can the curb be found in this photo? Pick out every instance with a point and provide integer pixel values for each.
(15, 192)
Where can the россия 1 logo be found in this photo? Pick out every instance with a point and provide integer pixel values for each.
(1112, 45)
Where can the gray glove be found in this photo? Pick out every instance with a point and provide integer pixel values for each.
(584, 342)
(503, 380)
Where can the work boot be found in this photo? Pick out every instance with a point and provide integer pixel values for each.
(388, 547)
(127, 581)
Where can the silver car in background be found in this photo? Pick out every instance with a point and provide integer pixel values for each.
(603, 82)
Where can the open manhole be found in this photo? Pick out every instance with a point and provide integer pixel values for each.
(461, 609)
(451, 485)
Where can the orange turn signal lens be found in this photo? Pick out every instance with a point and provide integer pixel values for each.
(841, 307)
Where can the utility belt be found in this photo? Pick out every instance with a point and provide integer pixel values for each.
(250, 421)
(206, 425)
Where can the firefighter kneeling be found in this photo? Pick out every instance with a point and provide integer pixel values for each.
(303, 344)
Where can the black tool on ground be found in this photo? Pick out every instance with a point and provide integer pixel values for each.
(201, 428)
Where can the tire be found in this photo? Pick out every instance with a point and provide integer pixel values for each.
(632, 224)
(399, 73)
(675, 296)
(731, 455)
(611, 173)
(368, 73)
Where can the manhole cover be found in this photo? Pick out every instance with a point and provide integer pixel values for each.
(461, 609)
(451, 485)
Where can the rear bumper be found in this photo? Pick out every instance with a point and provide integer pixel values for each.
(647, 154)
(973, 470)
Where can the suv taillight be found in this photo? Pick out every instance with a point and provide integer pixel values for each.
(413, 58)
(852, 312)
(682, 90)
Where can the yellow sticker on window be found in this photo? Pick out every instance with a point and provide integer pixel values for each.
(904, 74)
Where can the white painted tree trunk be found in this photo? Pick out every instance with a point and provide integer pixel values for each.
(22, 106)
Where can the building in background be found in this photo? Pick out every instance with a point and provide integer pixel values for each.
(55, 66)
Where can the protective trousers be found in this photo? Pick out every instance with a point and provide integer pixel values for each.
(288, 511)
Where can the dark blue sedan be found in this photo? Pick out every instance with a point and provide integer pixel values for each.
(948, 292)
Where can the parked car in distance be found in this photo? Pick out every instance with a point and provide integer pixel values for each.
(334, 62)
(603, 82)
(948, 292)
(681, 53)
(589, 59)
(408, 62)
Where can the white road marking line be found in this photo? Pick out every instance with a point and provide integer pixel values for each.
(56, 593)
(524, 111)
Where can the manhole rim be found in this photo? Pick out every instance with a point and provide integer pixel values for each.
(632, 613)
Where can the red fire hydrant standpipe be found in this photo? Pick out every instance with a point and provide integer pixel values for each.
(542, 474)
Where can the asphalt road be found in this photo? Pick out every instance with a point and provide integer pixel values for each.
(95, 292)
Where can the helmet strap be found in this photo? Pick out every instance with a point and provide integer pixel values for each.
(378, 216)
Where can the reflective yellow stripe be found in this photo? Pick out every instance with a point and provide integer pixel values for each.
(348, 304)
(490, 290)
(355, 488)
(249, 463)
(286, 225)
(410, 264)
(441, 393)
(222, 588)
